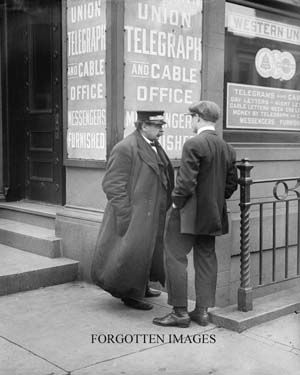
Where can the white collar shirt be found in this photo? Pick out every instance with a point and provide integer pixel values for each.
(149, 142)
(208, 127)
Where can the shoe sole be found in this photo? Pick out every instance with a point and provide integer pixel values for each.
(181, 325)
(138, 308)
(150, 307)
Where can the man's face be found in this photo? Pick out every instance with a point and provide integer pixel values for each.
(152, 132)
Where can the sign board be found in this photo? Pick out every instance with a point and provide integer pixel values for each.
(163, 53)
(86, 44)
(242, 24)
(257, 107)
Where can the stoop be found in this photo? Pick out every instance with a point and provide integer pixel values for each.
(42, 215)
(30, 252)
(265, 308)
(28, 237)
(21, 271)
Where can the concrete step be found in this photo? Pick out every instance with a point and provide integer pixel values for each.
(265, 308)
(21, 271)
(38, 240)
(42, 215)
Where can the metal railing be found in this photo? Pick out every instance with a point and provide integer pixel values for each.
(245, 291)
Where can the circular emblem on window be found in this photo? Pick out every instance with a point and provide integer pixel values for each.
(264, 63)
(288, 66)
(275, 64)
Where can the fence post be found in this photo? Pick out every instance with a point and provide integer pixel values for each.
(245, 289)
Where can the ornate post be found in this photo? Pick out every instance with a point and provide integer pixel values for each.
(245, 290)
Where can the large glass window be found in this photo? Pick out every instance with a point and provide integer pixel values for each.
(262, 74)
(86, 46)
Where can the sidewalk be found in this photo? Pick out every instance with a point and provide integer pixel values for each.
(49, 331)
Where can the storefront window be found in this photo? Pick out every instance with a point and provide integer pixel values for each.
(86, 101)
(262, 72)
(162, 54)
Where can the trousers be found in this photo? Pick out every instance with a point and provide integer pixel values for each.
(177, 247)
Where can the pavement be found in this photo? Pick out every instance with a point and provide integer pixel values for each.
(78, 329)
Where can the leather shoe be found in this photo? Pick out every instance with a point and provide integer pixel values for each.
(173, 320)
(152, 293)
(200, 316)
(135, 304)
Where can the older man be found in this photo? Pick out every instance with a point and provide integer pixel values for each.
(138, 185)
(207, 176)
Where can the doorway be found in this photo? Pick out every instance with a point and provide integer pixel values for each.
(31, 68)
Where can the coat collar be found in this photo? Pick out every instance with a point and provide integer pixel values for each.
(146, 153)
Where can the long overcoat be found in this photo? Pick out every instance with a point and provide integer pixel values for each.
(128, 248)
(206, 178)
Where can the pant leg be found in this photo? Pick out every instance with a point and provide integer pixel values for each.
(177, 246)
(206, 268)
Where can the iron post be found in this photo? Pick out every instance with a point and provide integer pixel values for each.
(245, 296)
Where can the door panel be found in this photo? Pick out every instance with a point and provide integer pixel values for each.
(34, 104)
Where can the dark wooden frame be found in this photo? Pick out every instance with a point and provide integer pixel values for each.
(3, 124)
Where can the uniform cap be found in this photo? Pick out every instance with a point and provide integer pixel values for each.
(151, 117)
(206, 109)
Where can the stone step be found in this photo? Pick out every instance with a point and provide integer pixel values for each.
(23, 236)
(42, 215)
(265, 308)
(21, 271)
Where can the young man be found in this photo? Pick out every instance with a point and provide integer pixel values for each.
(138, 185)
(207, 176)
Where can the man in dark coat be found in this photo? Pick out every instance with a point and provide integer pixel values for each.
(138, 185)
(207, 176)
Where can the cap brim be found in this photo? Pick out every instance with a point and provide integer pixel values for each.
(156, 123)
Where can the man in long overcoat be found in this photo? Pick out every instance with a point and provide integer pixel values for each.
(207, 177)
(138, 185)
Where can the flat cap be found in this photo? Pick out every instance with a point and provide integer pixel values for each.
(151, 117)
(206, 109)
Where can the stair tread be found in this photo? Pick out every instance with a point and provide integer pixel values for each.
(15, 261)
(31, 207)
(27, 229)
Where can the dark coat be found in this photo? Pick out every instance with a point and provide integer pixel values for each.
(128, 249)
(207, 176)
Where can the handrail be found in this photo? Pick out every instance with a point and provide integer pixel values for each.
(275, 180)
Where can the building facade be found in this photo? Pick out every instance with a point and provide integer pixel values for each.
(74, 73)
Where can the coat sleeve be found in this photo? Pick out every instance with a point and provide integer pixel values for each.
(231, 178)
(115, 185)
(186, 180)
